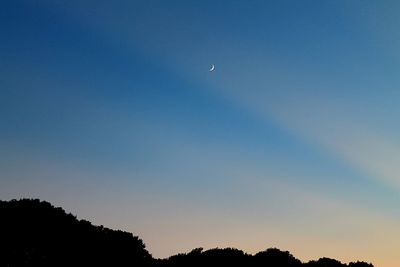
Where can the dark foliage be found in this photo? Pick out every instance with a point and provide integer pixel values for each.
(212, 257)
(360, 264)
(275, 257)
(34, 233)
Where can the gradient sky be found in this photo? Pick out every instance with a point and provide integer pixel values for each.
(107, 108)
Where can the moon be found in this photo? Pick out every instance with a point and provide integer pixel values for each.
(212, 67)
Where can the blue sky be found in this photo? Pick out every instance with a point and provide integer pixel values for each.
(109, 110)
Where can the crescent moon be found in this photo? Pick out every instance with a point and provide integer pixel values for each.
(212, 67)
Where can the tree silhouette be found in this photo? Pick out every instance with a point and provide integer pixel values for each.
(33, 233)
(360, 264)
(325, 262)
(276, 257)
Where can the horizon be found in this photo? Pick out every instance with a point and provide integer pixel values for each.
(18, 209)
(259, 124)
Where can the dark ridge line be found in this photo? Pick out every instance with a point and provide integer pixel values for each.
(35, 233)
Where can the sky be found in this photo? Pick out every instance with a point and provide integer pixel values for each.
(108, 109)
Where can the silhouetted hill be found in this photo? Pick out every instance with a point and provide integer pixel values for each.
(34, 233)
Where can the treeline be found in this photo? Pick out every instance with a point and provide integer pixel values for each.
(271, 257)
(34, 233)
